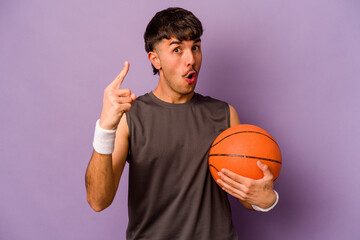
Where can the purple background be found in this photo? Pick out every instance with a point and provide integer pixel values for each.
(291, 67)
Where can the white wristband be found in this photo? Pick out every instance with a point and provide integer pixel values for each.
(267, 209)
(103, 139)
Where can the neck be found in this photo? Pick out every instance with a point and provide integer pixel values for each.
(167, 92)
(172, 97)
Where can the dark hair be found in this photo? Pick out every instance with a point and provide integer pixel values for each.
(172, 22)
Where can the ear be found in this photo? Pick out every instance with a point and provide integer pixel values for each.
(154, 59)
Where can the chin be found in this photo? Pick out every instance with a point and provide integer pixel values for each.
(190, 91)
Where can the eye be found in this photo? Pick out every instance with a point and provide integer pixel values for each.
(177, 50)
(194, 48)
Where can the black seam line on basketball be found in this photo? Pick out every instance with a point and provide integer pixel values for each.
(244, 132)
(244, 156)
(214, 167)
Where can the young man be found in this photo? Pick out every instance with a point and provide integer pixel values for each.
(165, 136)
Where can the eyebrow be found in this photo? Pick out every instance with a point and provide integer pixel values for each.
(180, 42)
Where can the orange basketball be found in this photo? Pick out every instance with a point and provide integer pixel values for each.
(240, 147)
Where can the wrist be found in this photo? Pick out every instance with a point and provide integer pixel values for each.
(107, 125)
(256, 208)
(103, 139)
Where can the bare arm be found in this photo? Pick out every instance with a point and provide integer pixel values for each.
(248, 191)
(104, 170)
(234, 120)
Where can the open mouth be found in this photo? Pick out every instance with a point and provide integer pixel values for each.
(191, 77)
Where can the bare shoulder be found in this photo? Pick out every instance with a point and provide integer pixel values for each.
(234, 117)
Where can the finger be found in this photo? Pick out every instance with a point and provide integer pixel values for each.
(231, 190)
(231, 180)
(126, 107)
(122, 92)
(238, 178)
(265, 169)
(120, 109)
(113, 95)
(122, 100)
(120, 78)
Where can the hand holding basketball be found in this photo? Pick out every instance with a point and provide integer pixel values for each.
(257, 192)
(116, 101)
(245, 161)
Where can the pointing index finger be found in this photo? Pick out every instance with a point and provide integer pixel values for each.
(120, 78)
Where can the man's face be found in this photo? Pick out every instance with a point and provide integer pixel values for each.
(180, 63)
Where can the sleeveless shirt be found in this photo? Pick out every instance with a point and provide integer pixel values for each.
(171, 192)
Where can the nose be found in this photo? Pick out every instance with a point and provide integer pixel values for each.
(189, 59)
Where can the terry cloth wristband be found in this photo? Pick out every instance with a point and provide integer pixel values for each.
(103, 139)
(267, 209)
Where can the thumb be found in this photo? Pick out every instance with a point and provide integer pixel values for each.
(265, 169)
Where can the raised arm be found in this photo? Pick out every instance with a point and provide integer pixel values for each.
(105, 168)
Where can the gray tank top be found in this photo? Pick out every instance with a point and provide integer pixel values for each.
(171, 192)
